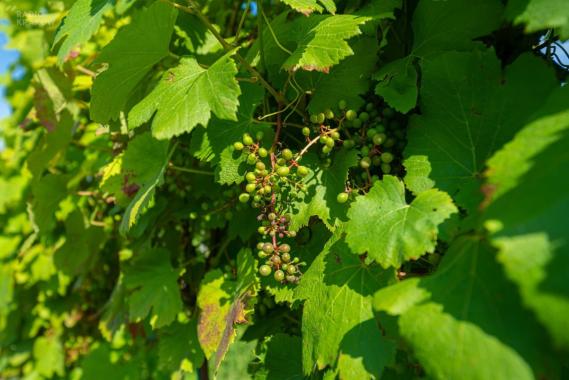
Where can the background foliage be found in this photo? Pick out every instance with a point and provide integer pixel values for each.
(285, 190)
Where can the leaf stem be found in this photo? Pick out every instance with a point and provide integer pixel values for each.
(189, 170)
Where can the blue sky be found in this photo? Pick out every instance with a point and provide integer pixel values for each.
(6, 58)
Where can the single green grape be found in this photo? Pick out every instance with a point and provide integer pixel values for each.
(330, 142)
(268, 248)
(349, 144)
(369, 107)
(284, 248)
(287, 154)
(329, 114)
(250, 177)
(342, 105)
(302, 171)
(247, 139)
(238, 145)
(371, 133)
(260, 165)
(265, 270)
(283, 171)
(314, 119)
(260, 245)
(263, 152)
(365, 162)
(251, 187)
(364, 116)
(285, 257)
(268, 189)
(387, 157)
(321, 117)
(251, 159)
(272, 216)
(262, 230)
(351, 115)
(386, 168)
(342, 197)
(378, 139)
(291, 269)
(244, 198)
(335, 135)
(326, 149)
(279, 275)
(306, 131)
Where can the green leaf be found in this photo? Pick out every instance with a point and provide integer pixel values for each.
(477, 298)
(397, 84)
(541, 14)
(146, 38)
(154, 286)
(178, 347)
(306, 7)
(224, 303)
(322, 187)
(101, 363)
(49, 355)
(236, 363)
(144, 163)
(391, 231)
(469, 109)
(78, 253)
(47, 192)
(187, 95)
(346, 81)
(321, 41)
(337, 321)
(418, 169)
(508, 166)
(82, 21)
(284, 358)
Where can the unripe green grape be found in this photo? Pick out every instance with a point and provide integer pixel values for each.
(292, 279)
(364, 150)
(279, 275)
(371, 132)
(342, 105)
(264, 270)
(263, 152)
(321, 118)
(272, 216)
(365, 162)
(369, 107)
(329, 114)
(276, 260)
(260, 245)
(387, 157)
(285, 257)
(284, 248)
(244, 198)
(281, 162)
(326, 149)
(357, 123)
(260, 165)
(250, 177)
(261, 191)
(268, 189)
(287, 154)
(349, 144)
(251, 159)
(302, 171)
(262, 230)
(378, 139)
(251, 187)
(247, 139)
(386, 168)
(259, 135)
(306, 131)
(257, 198)
(351, 115)
(330, 142)
(292, 234)
(364, 116)
(283, 171)
(335, 135)
(342, 197)
(238, 145)
(314, 119)
(262, 254)
(268, 248)
(291, 269)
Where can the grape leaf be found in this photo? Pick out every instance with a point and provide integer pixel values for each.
(417, 179)
(100, 363)
(147, 39)
(143, 164)
(469, 110)
(399, 231)
(178, 347)
(81, 245)
(81, 22)
(306, 7)
(154, 286)
(337, 319)
(397, 84)
(346, 81)
(236, 363)
(284, 358)
(224, 303)
(322, 187)
(508, 165)
(48, 192)
(321, 41)
(187, 95)
(49, 355)
(541, 14)
(476, 297)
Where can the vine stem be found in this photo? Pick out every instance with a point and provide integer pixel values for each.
(305, 149)
(194, 9)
